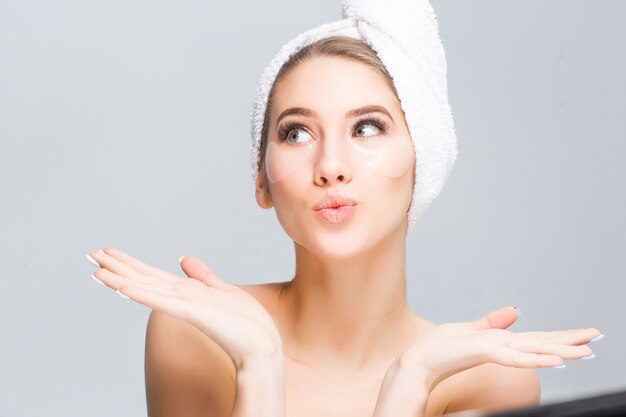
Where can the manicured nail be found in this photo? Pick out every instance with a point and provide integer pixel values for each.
(92, 261)
(181, 258)
(559, 366)
(595, 339)
(122, 295)
(97, 280)
(519, 312)
(593, 355)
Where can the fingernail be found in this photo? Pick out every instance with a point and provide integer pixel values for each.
(593, 355)
(97, 280)
(595, 339)
(519, 312)
(181, 258)
(559, 366)
(91, 260)
(122, 295)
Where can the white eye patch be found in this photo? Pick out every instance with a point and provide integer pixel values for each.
(390, 156)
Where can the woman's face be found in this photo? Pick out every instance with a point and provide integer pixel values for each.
(325, 149)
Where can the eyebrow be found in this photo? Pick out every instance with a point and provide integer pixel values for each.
(372, 108)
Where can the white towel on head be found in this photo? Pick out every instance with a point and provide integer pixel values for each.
(405, 36)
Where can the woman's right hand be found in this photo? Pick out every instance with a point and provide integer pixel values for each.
(230, 316)
(447, 349)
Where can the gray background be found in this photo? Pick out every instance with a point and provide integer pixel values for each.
(125, 123)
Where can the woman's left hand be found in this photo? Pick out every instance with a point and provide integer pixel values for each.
(446, 349)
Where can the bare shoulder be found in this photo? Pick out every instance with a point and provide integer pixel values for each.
(185, 371)
(492, 387)
(266, 294)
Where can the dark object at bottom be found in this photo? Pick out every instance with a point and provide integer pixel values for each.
(605, 405)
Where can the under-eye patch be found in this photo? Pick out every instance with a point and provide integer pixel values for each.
(389, 155)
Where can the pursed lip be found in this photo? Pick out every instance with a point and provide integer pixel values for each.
(335, 200)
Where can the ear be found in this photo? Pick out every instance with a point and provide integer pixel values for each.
(262, 193)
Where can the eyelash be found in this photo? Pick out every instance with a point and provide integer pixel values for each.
(382, 125)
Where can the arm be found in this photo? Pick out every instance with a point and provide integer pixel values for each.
(492, 387)
(446, 350)
(404, 391)
(200, 320)
(486, 388)
(261, 389)
(187, 374)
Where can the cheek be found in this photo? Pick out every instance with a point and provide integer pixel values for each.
(290, 202)
(395, 191)
(389, 197)
(391, 156)
(284, 161)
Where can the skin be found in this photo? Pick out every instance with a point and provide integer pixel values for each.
(346, 306)
(341, 330)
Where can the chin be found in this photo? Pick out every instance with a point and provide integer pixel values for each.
(338, 247)
(351, 240)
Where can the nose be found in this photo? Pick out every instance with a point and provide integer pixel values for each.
(333, 163)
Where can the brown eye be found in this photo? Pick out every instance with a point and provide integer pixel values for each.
(363, 126)
(360, 129)
(290, 133)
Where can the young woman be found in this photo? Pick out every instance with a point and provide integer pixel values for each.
(339, 339)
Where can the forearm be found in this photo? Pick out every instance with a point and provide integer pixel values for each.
(261, 389)
(403, 392)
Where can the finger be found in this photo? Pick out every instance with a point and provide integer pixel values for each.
(107, 261)
(112, 264)
(195, 268)
(116, 281)
(136, 264)
(157, 300)
(538, 346)
(498, 319)
(511, 357)
(567, 337)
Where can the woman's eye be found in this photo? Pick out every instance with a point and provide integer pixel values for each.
(363, 127)
(292, 135)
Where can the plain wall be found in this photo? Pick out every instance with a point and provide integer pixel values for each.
(126, 124)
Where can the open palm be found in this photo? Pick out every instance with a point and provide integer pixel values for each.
(227, 314)
(449, 348)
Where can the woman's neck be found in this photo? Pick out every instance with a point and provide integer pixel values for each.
(348, 314)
